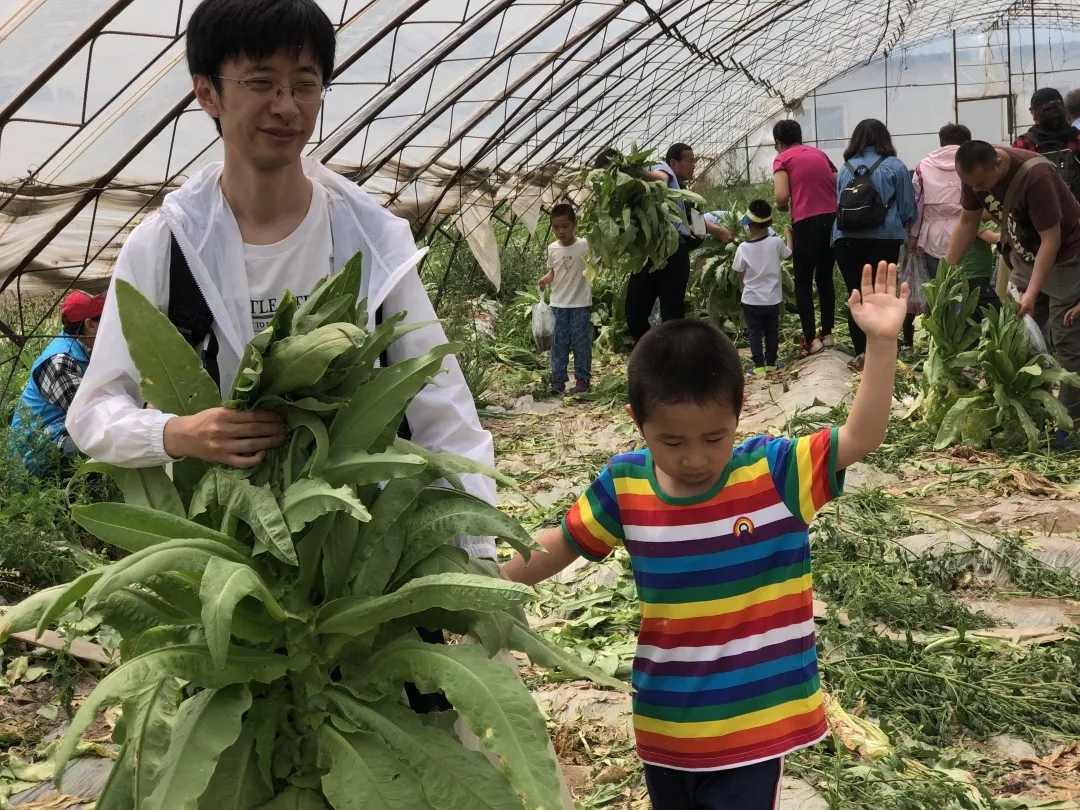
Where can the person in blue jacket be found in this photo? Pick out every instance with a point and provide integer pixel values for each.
(38, 421)
(872, 144)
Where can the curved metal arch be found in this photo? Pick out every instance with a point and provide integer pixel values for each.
(502, 133)
(348, 129)
(70, 52)
(570, 47)
(584, 91)
(460, 89)
(681, 71)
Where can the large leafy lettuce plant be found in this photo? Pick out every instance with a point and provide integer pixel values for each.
(269, 617)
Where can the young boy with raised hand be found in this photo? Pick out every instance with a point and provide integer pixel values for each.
(725, 676)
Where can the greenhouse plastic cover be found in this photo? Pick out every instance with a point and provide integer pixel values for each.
(438, 107)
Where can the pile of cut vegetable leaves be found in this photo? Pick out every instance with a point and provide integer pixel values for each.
(269, 617)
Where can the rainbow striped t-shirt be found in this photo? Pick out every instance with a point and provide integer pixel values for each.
(726, 668)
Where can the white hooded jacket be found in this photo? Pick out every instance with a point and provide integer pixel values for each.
(107, 420)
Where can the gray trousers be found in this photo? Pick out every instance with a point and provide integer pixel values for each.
(1062, 289)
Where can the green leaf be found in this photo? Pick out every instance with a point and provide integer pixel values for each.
(362, 773)
(301, 361)
(381, 540)
(1057, 412)
(29, 611)
(256, 506)
(250, 622)
(263, 719)
(132, 612)
(297, 419)
(207, 725)
(296, 799)
(545, 654)
(450, 775)
(224, 583)
(172, 378)
(172, 555)
(360, 469)
(953, 421)
(434, 524)
(67, 596)
(445, 465)
(311, 498)
(189, 662)
(135, 528)
(149, 486)
(236, 783)
(346, 283)
(340, 555)
(356, 615)
(377, 404)
(148, 718)
(490, 698)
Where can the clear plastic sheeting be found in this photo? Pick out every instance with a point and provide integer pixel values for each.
(436, 103)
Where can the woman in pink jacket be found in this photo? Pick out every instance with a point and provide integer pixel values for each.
(937, 195)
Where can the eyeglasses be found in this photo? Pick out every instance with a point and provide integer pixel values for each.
(302, 92)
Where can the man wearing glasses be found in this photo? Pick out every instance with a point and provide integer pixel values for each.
(242, 232)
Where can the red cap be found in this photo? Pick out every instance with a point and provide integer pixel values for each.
(79, 306)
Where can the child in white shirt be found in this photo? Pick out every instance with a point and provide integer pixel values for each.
(757, 261)
(571, 303)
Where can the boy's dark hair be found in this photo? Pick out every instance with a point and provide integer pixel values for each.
(220, 30)
(975, 154)
(868, 134)
(787, 132)
(681, 362)
(604, 158)
(761, 210)
(564, 210)
(675, 151)
(954, 135)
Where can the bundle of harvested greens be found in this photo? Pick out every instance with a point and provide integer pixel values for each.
(629, 221)
(268, 617)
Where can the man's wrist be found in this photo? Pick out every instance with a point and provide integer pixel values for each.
(174, 438)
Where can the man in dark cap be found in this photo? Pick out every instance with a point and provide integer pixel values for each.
(38, 422)
(1053, 136)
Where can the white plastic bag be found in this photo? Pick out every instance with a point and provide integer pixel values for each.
(912, 268)
(1031, 326)
(543, 325)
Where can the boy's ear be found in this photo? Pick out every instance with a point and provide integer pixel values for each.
(630, 413)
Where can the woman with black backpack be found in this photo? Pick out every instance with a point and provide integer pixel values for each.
(876, 207)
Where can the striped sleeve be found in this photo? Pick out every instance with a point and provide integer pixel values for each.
(804, 472)
(593, 524)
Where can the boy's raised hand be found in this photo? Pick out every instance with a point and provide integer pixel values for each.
(877, 309)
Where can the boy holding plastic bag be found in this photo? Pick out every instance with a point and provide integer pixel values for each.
(571, 303)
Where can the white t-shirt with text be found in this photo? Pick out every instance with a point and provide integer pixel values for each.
(295, 263)
(569, 288)
(758, 262)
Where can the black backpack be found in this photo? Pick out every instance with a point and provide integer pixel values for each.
(190, 314)
(861, 207)
(1064, 160)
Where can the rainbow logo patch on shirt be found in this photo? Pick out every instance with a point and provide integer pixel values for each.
(744, 527)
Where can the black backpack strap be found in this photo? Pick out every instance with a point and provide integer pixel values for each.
(879, 161)
(189, 312)
(404, 431)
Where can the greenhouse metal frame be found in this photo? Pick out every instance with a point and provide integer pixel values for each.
(453, 114)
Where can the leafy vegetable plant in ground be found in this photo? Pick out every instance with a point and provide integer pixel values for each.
(268, 617)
